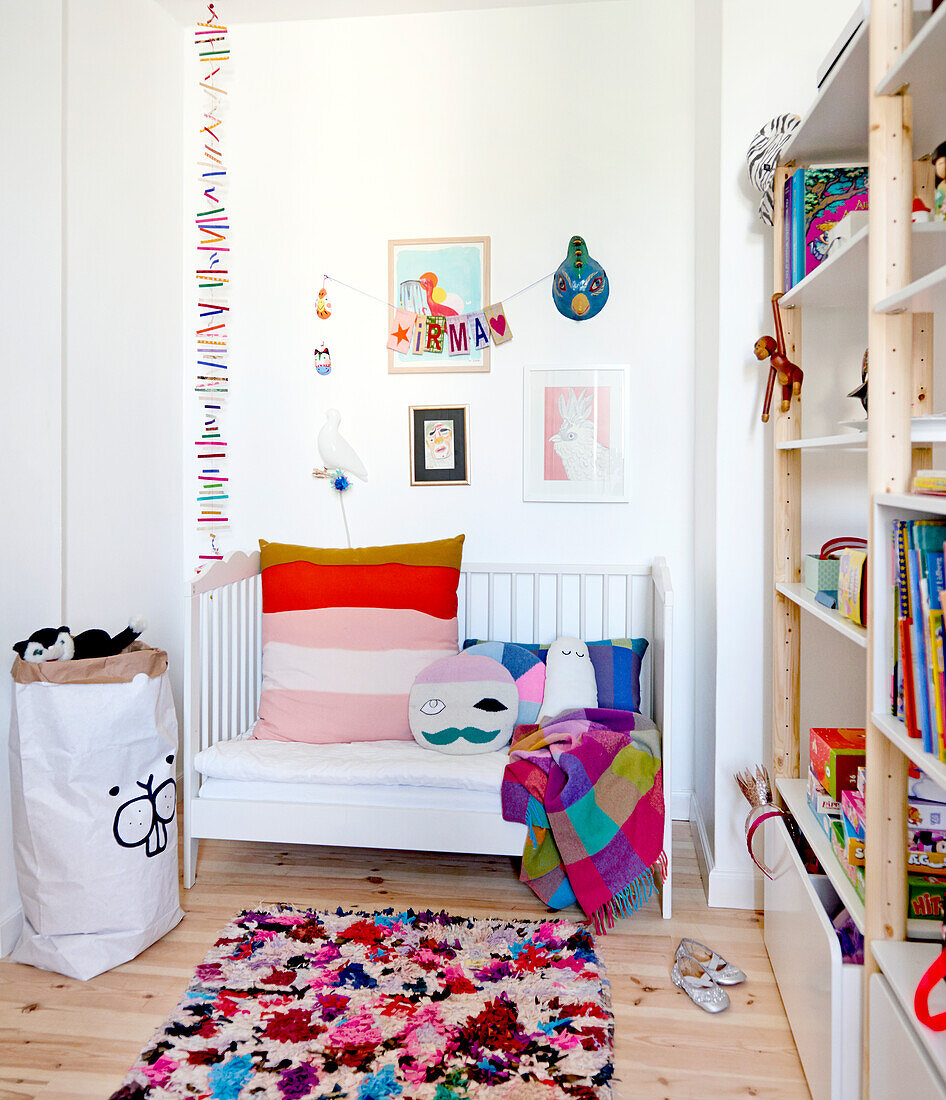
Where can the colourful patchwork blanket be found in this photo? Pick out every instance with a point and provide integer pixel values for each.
(588, 785)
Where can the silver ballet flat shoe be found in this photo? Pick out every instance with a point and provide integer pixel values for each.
(715, 965)
(691, 976)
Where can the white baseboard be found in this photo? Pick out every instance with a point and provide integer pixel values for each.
(735, 890)
(680, 805)
(704, 853)
(10, 926)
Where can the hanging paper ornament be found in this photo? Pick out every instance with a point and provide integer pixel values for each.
(323, 307)
(418, 335)
(458, 336)
(498, 324)
(323, 360)
(399, 337)
(580, 285)
(434, 331)
(479, 330)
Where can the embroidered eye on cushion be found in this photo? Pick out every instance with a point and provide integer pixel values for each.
(464, 705)
(346, 631)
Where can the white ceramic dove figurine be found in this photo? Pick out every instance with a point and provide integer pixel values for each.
(569, 678)
(335, 451)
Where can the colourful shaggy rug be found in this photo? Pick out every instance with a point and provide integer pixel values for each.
(295, 1003)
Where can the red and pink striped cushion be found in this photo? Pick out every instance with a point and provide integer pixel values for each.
(345, 632)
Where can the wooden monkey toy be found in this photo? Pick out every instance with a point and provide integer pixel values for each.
(790, 376)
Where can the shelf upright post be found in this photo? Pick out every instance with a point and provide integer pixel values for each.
(889, 457)
(786, 536)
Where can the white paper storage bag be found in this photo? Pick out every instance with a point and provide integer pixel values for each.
(93, 749)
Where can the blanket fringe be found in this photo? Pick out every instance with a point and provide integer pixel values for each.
(631, 898)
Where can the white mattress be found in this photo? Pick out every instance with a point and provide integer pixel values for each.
(337, 794)
(386, 765)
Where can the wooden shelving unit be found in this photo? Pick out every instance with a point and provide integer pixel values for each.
(894, 273)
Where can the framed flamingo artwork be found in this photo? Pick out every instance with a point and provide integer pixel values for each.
(574, 434)
(438, 286)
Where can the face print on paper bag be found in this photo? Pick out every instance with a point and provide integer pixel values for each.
(463, 705)
(144, 819)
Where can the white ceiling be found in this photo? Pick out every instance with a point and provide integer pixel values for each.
(275, 11)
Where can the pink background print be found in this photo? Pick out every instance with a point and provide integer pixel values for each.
(600, 415)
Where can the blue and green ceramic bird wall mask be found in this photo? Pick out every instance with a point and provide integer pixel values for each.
(580, 285)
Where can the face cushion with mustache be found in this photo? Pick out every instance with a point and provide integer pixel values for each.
(463, 705)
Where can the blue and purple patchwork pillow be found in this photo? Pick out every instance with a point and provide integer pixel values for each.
(617, 665)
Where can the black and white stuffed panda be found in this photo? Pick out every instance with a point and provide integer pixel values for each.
(58, 644)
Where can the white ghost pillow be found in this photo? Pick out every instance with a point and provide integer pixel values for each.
(569, 678)
(463, 705)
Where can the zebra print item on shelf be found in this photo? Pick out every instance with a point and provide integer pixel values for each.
(762, 158)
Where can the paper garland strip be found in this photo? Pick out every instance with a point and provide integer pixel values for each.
(459, 335)
(211, 333)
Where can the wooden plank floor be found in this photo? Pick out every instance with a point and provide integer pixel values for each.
(68, 1040)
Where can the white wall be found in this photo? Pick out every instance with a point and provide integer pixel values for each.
(124, 88)
(751, 93)
(91, 319)
(706, 279)
(527, 125)
(30, 413)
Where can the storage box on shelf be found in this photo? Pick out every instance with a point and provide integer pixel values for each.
(821, 993)
(894, 1029)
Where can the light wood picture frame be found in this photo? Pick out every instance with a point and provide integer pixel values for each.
(439, 444)
(460, 284)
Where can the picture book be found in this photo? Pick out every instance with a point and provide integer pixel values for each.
(787, 234)
(798, 225)
(829, 194)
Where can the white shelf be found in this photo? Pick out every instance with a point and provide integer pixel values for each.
(795, 797)
(903, 964)
(841, 280)
(894, 730)
(924, 295)
(912, 502)
(835, 127)
(922, 67)
(799, 594)
(923, 430)
(854, 441)
(837, 282)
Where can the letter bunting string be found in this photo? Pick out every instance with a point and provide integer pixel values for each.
(458, 335)
(212, 341)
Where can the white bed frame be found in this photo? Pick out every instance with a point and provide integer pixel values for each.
(529, 603)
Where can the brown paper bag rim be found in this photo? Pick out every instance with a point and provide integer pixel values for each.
(120, 669)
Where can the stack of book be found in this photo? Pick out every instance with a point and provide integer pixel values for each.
(918, 686)
(816, 199)
(930, 482)
(844, 822)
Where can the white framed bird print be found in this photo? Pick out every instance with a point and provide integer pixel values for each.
(574, 434)
(432, 281)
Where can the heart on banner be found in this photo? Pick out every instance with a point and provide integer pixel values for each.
(501, 329)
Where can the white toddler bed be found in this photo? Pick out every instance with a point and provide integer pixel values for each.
(390, 794)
